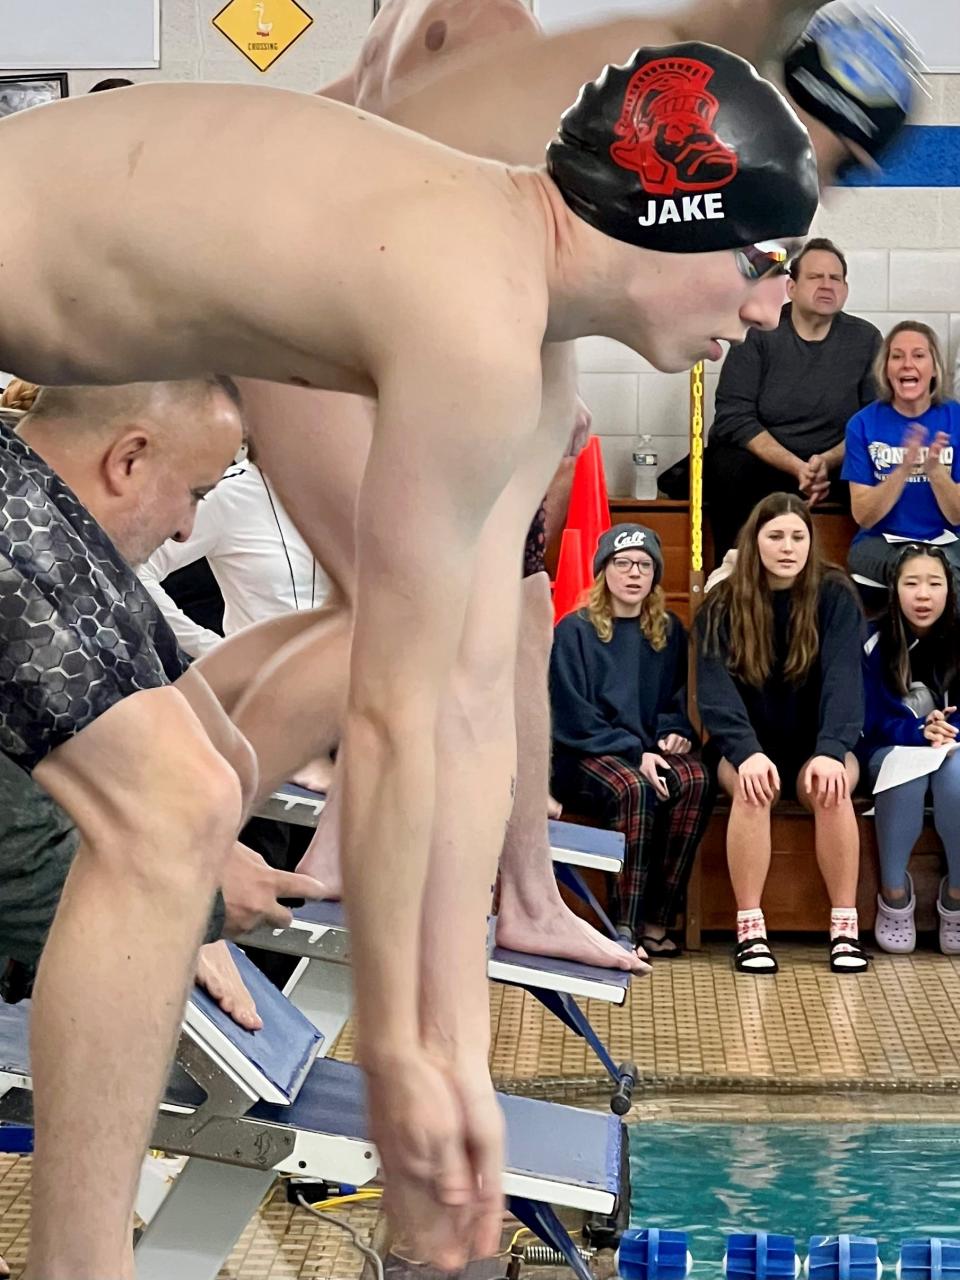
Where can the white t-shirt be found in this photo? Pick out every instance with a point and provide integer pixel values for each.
(260, 561)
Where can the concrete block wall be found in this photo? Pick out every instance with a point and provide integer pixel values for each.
(903, 249)
(193, 49)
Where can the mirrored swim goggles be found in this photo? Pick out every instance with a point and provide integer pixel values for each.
(759, 261)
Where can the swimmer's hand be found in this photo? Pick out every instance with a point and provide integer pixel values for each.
(251, 889)
(857, 73)
(440, 1138)
(219, 976)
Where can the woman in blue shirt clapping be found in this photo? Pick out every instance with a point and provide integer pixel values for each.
(903, 457)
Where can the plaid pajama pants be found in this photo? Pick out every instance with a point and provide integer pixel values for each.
(662, 836)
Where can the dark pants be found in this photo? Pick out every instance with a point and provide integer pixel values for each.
(874, 558)
(662, 836)
(735, 480)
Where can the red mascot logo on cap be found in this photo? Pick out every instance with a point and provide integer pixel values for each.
(666, 127)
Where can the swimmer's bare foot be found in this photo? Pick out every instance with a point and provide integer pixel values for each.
(217, 973)
(315, 776)
(4, 1269)
(554, 807)
(551, 929)
(322, 859)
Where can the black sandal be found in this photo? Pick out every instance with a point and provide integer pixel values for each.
(753, 955)
(654, 947)
(847, 955)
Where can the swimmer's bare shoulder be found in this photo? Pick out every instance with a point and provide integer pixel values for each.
(254, 231)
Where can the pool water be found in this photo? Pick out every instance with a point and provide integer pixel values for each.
(888, 1181)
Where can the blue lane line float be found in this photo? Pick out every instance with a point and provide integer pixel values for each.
(843, 1257)
(652, 1254)
(761, 1255)
(931, 1258)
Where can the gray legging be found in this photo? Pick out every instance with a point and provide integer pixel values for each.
(874, 558)
(900, 819)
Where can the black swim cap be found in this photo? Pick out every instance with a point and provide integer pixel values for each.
(685, 149)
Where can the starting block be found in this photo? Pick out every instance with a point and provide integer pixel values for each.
(246, 1106)
(570, 844)
(319, 932)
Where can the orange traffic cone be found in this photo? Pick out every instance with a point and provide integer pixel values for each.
(571, 582)
(589, 515)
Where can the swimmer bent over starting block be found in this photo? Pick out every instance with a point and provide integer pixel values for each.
(467, 437)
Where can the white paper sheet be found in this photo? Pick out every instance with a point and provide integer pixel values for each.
(904, 764)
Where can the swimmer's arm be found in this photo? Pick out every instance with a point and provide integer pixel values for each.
(342, 90)
(447, 435)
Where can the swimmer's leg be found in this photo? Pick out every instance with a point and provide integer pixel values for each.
(533, 918)
(158, 809)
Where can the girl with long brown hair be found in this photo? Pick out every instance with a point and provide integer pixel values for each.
(621, 734)
(780, 692)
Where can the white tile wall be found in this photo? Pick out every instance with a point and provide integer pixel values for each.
(192, 48)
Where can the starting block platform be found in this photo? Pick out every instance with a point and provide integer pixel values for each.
(570, 843)
(246, 1106)
(319, 932)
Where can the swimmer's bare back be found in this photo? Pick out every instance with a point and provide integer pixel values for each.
(252, 231)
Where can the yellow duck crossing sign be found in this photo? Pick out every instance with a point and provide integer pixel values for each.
(263, 29)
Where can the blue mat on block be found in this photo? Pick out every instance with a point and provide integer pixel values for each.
(330, 914)
(564, 968)
(582, 1147)
(570, 835)
(15, 1038)
(288, 1043)
(292, 791)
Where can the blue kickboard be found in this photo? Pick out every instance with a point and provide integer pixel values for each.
(544, 1140)
(571, 835)
(564, 968)
(286, 1046)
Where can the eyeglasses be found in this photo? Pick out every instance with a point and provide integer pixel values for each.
(623, 564)
(760, 261)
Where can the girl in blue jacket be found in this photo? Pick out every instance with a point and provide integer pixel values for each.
(912, 682)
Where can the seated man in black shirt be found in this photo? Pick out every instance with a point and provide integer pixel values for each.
(785, 397)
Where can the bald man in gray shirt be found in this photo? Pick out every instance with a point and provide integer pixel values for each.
(785, 397)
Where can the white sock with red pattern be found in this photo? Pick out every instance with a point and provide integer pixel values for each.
(750, 924)
(844, 923)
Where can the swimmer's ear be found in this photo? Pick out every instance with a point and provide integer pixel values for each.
(126, 461)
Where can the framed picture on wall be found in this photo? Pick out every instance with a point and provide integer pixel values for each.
(17, 93)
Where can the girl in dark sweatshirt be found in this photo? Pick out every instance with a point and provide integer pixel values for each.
(911, 670)
(781, 694)
(622, 739)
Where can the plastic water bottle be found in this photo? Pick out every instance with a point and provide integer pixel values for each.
(644, 470)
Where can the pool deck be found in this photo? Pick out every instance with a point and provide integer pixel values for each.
(709, 1044)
